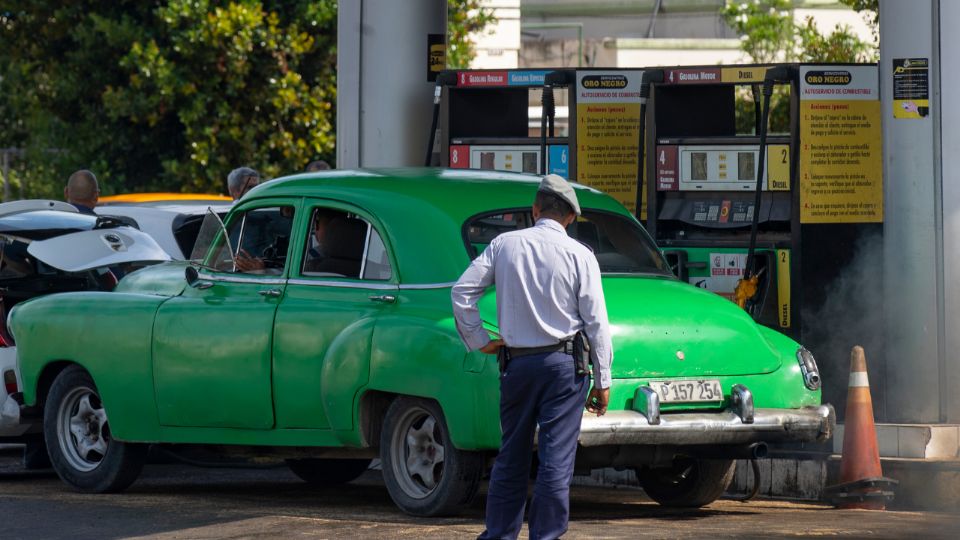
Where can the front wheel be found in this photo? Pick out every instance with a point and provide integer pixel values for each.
(689, 483)
(424, 473)
(79, 442)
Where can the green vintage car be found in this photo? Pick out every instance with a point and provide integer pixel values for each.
(316, 326)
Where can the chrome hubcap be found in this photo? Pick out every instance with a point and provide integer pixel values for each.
(82, 429)
(418, 453)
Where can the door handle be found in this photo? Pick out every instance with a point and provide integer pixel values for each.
(270, 293)
(385, 298)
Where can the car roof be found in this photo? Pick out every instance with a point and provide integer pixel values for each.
(186, 198)
(423, 208)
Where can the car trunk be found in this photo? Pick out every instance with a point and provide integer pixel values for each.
(662, 327)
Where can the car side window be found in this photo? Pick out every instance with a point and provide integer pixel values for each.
(258, 242)
(342, 244)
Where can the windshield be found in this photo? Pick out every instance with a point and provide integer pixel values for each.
(620, 245)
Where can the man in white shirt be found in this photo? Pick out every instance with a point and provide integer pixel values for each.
(548, 289)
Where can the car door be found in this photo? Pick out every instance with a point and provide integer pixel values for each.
(344, 278)
(213, 344)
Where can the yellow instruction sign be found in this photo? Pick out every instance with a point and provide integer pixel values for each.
(607, 132)
(841, 162)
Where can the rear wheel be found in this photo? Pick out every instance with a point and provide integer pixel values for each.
(328, 472)
(79, 442)
(689, 483)
(424, 473)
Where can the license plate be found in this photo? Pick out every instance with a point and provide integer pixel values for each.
(687, 391)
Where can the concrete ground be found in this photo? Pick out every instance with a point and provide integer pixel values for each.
(183, 502)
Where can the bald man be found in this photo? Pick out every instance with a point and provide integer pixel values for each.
(82, 191)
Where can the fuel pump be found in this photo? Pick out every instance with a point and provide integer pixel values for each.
(745, 293)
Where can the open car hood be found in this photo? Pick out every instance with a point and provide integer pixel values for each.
(85, 250)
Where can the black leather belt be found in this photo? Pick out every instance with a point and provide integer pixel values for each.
(565, 345)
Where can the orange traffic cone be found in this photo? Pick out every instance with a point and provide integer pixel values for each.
(862, 484)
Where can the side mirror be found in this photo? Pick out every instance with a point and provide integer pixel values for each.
(193, 278)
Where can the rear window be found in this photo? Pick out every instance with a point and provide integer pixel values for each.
(620, 245)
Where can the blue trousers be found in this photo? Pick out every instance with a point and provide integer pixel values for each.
(544, 390)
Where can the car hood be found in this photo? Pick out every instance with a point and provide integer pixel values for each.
(85, 250)
(662, 327)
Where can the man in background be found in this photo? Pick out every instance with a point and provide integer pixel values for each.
(318, 165)
(82, 191)
(241, 180)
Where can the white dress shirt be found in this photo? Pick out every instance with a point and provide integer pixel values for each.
(548, 289)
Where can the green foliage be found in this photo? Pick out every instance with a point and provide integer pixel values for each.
(173, 94)
(465, 18)
(841, 45)
(768, 34)
(167, 95)
(765, 28)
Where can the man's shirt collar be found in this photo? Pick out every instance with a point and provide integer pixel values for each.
(551, 224)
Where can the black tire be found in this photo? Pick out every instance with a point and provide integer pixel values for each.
(328, 472)
(689, 483)
(437, 487)
(85, 456)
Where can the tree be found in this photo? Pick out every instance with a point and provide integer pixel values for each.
(248, 83)
(465, 19)
(168, 95)
(173, 94)
(765, 28)
(768, 33)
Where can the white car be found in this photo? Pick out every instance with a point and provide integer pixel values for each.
(48, 247)
(173, 224)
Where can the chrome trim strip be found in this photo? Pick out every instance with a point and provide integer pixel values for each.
(366, 250)
(423, 286)
(345, 284)
(244, 279)
(724, 427)
(371, 285)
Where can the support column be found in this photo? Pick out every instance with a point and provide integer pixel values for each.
(384, 97)
(948, 102)
(921, 295)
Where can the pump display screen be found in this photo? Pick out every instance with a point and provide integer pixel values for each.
(746, 166)
(698, 166)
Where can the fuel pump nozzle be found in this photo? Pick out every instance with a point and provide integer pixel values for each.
(649, 77)
(747, 287)
(548, 110)
(444, 78)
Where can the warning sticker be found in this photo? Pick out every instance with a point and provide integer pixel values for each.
(726, 269)
(911, 88)
(608, 126)
(841, 166)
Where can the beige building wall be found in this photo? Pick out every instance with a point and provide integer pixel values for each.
(499, 47)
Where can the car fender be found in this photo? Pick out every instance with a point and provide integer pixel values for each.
(346, 368)
(113, 346)
(424, 357)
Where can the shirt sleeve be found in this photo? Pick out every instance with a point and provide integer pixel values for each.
(465, 295)
(593, 312)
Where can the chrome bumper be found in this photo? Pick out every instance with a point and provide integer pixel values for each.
(725, 427)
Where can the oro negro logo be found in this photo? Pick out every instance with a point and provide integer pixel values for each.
(604, 81)
(828, 77)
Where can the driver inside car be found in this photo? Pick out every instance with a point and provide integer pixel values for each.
(271, 230)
